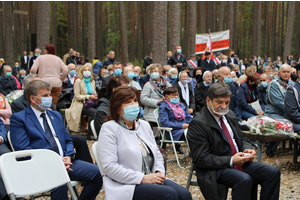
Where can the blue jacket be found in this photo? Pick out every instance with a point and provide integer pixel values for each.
(109, 62)
(27, 133)
(167, 119)
(3, 132)
(243, 96)
(171, 81)
(97, 66)
(291, 108)
(143, 80)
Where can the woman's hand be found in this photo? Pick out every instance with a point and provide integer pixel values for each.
(260, 113)
(161, 100)
(190, 110)
(184, 126)
(93, 97)
(157, 178)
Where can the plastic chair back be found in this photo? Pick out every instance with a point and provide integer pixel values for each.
(9, 141)
(93, 129)
(94, 151)
(43, 171)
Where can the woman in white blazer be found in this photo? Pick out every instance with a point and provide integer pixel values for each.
(130, 158)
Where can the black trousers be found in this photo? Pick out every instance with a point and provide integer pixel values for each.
(90, 113)
(169, 191)
(81, 148)
(244, 184)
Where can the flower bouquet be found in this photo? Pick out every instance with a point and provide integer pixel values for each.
(263, 125)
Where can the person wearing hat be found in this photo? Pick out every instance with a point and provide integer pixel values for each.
(177, 59)
(231, 60)
(207, 63)
(192, 63)
(218, 59)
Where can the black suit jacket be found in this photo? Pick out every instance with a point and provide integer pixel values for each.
(211, 150)
(23, 65)
(174, 60)
(105, 80)
(208, 66)
(191, 97)
(144, 80)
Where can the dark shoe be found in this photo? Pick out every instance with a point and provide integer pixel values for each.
(179, 149)
(269, 152)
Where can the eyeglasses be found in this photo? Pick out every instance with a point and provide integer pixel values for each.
(174, 95)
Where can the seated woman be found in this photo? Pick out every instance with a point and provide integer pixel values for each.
(131, 161)
(174, 114)
(173, 76)
(201, 90)
(248, 93)
(197, 77)
(104, 97)
(84, 90)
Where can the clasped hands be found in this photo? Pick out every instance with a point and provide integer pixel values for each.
(154, 178)
(239, 158)
(67, 162)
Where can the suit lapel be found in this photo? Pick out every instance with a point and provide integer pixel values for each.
(55, 125)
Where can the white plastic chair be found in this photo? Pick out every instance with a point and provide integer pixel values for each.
(93, 129)
(162, 131)
(43, 172)
(94, 152)
(9, 141)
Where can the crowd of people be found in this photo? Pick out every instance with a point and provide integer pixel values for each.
(207, 96)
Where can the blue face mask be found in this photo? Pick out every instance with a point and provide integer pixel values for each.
(178, 50)
(174, 101)
(174, 77)
(136, 75)
(131, 112)
(107, 71)
(155, 75)
(17, 65)
(227, 79)
(111, 73)
(22, 76)
(8, 74)
(263, 84)
(118, 72)
(46, 102)
(37, 55)
(72, 72)
(206, 83)
(130, 75)
(149, 73)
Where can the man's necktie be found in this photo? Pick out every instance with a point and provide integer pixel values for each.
(233, 149)
(49, 134)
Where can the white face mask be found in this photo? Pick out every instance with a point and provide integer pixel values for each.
(86, 74)
(223, 111)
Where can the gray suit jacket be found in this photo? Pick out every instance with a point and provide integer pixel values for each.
(121, 159)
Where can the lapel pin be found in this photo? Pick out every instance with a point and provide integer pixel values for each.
(51, 117)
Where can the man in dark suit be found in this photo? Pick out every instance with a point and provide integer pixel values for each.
(185, 92)
(37, 53)
(24, 61)
(177, 59)
(207, 63)
(37, 127)
(144, 79)
(72, 58)
(7, 82)
(222, 155)
(147, 61)
(117, 69)
(231, 60)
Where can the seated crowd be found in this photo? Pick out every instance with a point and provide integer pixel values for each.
(206, 96)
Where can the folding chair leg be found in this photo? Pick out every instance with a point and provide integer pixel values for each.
(190, 177)
(76, 191)
(173, 144)
(71, 190)
(12, 197)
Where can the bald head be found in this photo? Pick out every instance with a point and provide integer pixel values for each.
(71, 66)
(224, 72)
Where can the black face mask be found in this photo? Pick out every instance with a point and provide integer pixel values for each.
(294, 77)
(199, 77)
(73, 57)
(232, 55)
(254, 85)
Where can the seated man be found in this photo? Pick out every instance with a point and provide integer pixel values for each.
(174, 114)
(38, 127)
(79, 142)
(222, 155)
(7, 82)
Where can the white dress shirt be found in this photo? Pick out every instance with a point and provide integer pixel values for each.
(38, 115)
(25, 59)
(72, 78)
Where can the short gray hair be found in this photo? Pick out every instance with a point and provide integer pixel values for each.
(154, 65)
(5, 67)
(28, 78)
(33, 87)
(265, 68)
(22, 71)
(172, 70)
(218, 90)
(284, 66)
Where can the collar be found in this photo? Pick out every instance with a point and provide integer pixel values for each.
(37, 112)
(216, 118)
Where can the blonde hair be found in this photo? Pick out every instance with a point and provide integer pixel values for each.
(80, 73)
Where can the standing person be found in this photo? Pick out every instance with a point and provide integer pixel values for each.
(169, 54)
(72, 58)
(84, 90)
(192, 63)
(218, 59)
(97, 65)
(134, 154)
(177, 59)
(37, 53)
(219, 149)
(207, 63)
(111, 59)
(24, 61)
(67, 55)
(147, 61)
(50, 68)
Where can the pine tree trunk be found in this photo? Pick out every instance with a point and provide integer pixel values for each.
(1, 32)
(7, 27)
(209, 19)
(174, 24)
(230, 23)
(214, 11)
(43, 23)
(16, 31)
(221, 17)
(199, 4)
(202, 17)
(289, 29)
(139, 31)
(160, 32)
(266, 28)
(53, 24)
(124, 46)
(75, 25)
(99, 30)
(258, 29)
(192, 28)
(70, 25)
(254, 32)
(297, 30)
(91, 30)
(282, 29)
(274, 17)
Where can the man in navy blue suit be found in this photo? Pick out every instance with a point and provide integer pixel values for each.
(37, 127)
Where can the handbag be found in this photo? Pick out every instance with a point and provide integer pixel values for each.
(256, 105)
(90, 103)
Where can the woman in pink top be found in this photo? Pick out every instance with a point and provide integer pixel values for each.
(51, 69)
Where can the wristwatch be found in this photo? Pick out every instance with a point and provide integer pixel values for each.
(72, 157)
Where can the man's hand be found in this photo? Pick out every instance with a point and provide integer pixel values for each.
(260, 113)
(178, 64)
(68, 163)
(239, 159)
(157, 178)
(190, 110)
(252, 152)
